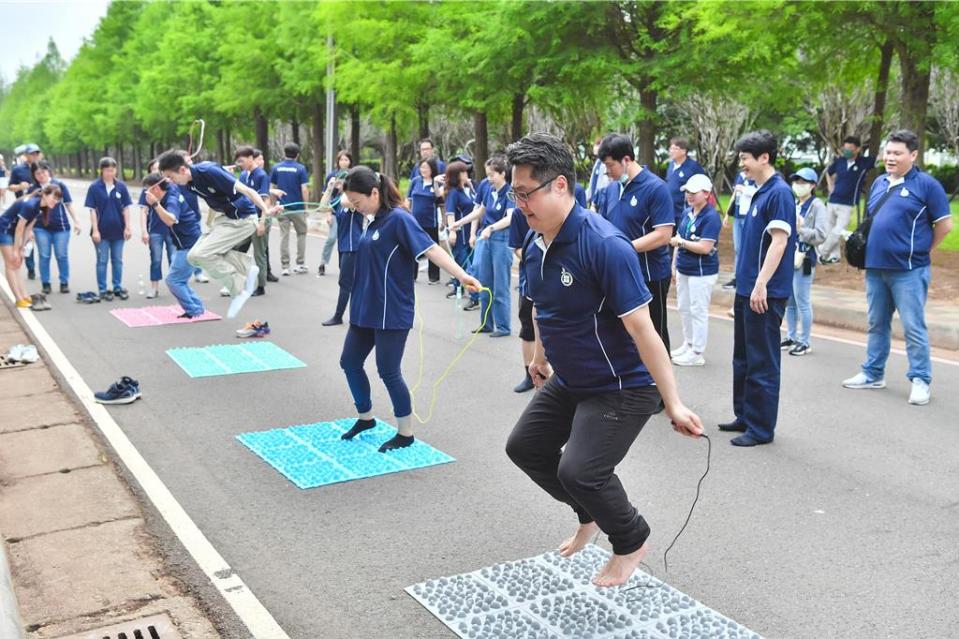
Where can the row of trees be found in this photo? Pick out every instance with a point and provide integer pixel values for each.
(477, 74)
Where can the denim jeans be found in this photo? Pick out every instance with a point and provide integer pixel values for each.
(157, 242)
(888, 291)
(799, 307)
(738, 224)
(57, 243)
(461, 253)
(178, 280)
(493, 270)
(110, 251)
(329, 244)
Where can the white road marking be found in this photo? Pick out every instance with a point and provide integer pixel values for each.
(248, 608)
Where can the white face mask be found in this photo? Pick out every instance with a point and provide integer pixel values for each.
(802, 189)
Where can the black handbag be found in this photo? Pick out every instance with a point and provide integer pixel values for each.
(856, 243)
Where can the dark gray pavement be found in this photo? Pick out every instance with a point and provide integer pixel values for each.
(846, 526)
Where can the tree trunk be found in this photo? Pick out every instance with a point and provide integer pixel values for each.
(915, 96)
(481, 142)
(516, 125)
(295, 127)
(120, 162)
(423, 112)
(389, 162)
(879, 101)
(137, 167)
(355, 133)
(647, 129)
(262, 135)
(319, 155)
(220, 147)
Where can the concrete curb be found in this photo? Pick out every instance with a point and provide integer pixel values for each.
(10, 625)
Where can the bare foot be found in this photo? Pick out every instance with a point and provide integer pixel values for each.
(620, 568)
(578, 541)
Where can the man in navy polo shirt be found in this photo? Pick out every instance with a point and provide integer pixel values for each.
(237, 203)
(426, 152)
(611, 368)
(846, 178)
(257, 179)
(910, 217)
(638, 203)
(681, 168)
(763, 284)
(291, 177)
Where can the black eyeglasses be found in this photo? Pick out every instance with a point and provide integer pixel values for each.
(519, 196)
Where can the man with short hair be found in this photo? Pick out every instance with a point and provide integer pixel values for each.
(426, 152)
(681, 168)
(910, 217)
(612, 371)
(845, 179)
(292, 178)
(764, 277)
(256, 178)
(638, 203)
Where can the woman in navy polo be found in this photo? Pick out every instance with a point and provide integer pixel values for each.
(14, 228)
(348, 223)
(381, 311)
(422, 197)
(695, 268)
(109, 203)
(52, 230)
(458, 203)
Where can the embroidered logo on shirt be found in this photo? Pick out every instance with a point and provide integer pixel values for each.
(755, 211)
(633, 201)
(566, 278)
(904, 192)
(211, 189)
(118, 195)
(681, 174)
(376, 235)
(499, 207)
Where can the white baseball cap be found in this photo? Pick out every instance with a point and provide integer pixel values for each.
(697, 183)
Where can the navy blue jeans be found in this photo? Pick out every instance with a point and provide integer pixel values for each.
(389, 356)
(756, 366)
(157, 242)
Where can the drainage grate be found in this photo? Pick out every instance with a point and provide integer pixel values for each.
(153, 627)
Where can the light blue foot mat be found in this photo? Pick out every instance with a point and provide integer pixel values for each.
(551, 597)
(229, 359)
(313, 455)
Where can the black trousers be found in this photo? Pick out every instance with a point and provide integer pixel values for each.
(432, 269)
(347, 269)
(657, 308)
(597, 431)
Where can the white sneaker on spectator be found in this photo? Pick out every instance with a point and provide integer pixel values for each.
(224, 292)
(201, 277)
(285, 272)
(859, 380)
(690, 358)
(301, 269)
(676, 352)
(920, 392)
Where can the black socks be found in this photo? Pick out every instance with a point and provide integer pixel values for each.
(359, 427)
(400, 441)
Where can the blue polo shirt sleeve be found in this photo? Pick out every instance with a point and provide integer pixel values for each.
(125, 200)
(937, 202)
(65, 193)
(28, 211)
(303, 175)
(142, 200)
(782, 212)
(261, 182)
(91, 200)
(711, 227)
(617, 273)
(173, 203)
(833, 167)
(661, 209)
(411, 236)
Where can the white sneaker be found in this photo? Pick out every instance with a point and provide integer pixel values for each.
(30, 355)
(859, 380)
(201, 278)
(920, 392)
(153, 294)
(224, 292)
(676, 352)
(690, 358)
(301, 269)
(285, 272)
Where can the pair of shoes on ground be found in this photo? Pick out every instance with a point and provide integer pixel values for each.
(360, 425)
(686, 356)
(795, 348)
(126, 390)
(26, 353)
(38, 302)
(919, 394)
(300, 269)
(745, 440)
(121, 293)
(88, 297)
(255, 328)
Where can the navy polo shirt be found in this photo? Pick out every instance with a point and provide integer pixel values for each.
(459, 204)
(582, 285)
(849, 179)
(705, 226)
(109, 207)
(518, 230)
(58, 220)
(676, 176)
(901, 234)
(289, 176)
(186, 229)
(27, 209)
(773, 207)
(481, 192)
(155, 225)
(217, 187)
(385, 266)
(580, 194)
(415, 171)
(259, 181)
(423, 202)
(349, 228)
(636, 209)
(21, 173)
(496, 204)
(191, 199)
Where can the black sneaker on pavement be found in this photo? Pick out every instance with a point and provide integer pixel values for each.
(800, 349)
(46, 288)
(64, 288)
(124, 391)
(121, 293)
(786, 344)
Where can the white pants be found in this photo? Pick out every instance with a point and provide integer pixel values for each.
(693, 294)
(839, 215)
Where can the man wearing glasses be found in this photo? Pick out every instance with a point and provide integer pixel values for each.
(593, 328)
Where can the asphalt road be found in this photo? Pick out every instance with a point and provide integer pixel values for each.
(846, 526)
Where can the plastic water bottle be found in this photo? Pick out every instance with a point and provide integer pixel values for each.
(459, 317)
(141, 286)
(28, 248)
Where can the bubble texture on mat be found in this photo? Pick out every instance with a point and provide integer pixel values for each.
(230, 359)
